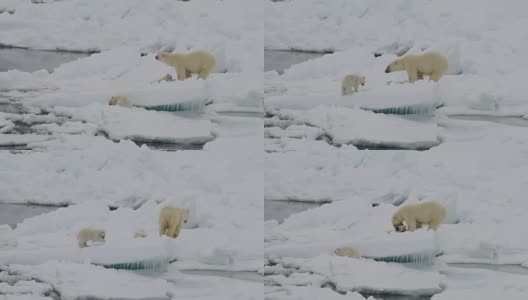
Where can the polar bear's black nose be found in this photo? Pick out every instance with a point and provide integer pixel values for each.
(387, 70)
(157, 56)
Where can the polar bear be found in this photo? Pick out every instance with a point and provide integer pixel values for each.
(171, 220)
(120, 101)
(429, 213)
(351, 81)
(347, 251)
(90, 234)
(432, 64)
(200, 62)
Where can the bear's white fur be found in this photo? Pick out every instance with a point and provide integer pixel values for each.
(196, 62)
(351, 81)
(171, 220)
(90, 234)
(429, 213)
(347, 251)
(432, 64)
(120, 101)
(140, 233)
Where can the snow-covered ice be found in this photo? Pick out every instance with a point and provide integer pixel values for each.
(476, 168)
(481, 163)
(367, 276)
(85, 280)
(308, 293)
(482, 284)
(81, 281)
(117, 123)
(468, 163)
(81, 172)
(360, 127)
(88, 155)
(232, 29)
(484, 77)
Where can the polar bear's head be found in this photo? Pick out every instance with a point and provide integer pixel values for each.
(162, 56)
(397, 65)
(182, 215)
(362, 80)
(99, 235)
(168, 58)
(185, 215)
(397, 222)
(114, 100)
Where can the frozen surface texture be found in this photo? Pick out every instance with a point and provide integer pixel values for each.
(315, 140)
(72, 148)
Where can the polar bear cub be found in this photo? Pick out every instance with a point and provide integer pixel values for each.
(351, 81)
(196, 62)
(90, 234)
(120, 101)
(347, 251)
(429, 213)
(432, 64)
(171, 220)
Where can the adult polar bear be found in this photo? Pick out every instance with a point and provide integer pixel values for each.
(171, 220)
(432, 64)
(429, 213)
(197, 62)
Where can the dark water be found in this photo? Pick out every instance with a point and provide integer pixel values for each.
(279, 210)
(29, 60)
(13, 214)
(280, 60)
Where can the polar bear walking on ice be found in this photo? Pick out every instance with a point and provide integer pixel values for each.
(351, 83)
(197, 62)
(432, 64)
